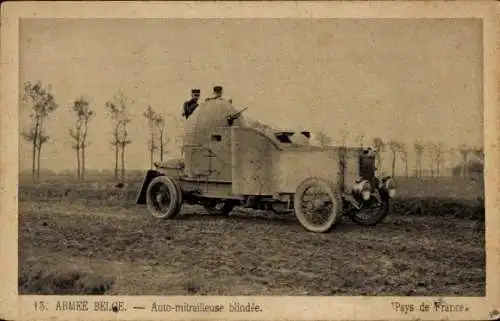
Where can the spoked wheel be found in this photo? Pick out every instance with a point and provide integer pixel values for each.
(222, 208)
(372, 213)
(164, 197)
(317, 205)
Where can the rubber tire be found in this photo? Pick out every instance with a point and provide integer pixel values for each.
(376, 219)
(175, 192)
(336, 214)
(224, 211)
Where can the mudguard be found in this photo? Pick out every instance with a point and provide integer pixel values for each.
(141, 196)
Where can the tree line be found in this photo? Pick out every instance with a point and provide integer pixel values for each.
(41, 103)
(399, 151)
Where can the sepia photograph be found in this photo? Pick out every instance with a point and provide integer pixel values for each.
(311, 157)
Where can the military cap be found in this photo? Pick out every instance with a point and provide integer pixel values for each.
(217, 88)
(195, 91)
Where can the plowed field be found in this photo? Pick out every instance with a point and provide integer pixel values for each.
(68, 247)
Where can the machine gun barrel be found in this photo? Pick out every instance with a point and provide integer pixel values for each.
(231, 118)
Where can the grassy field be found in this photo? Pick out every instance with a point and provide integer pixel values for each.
(441, 187)
(93, 239)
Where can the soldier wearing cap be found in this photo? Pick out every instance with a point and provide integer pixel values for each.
(217, 93)
(191, 105)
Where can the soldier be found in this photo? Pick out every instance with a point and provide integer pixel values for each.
(191, 105)
(217, 93)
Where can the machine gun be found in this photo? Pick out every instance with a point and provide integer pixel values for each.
(231, 118)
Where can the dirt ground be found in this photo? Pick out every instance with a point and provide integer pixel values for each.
(247, 253)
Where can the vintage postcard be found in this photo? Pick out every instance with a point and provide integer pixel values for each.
(250, 161)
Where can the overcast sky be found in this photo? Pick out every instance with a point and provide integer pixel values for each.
(394, 79)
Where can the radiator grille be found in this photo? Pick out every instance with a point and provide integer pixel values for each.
(367, 168)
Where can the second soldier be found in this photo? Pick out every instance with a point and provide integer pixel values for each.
(217, 93)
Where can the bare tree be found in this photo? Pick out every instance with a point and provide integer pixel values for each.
(419, 151)
(115, 142)
(76, 134)
(87, 114)
(118, 111)
(160, 127)
(42, 103)
(464, 151)
(150, 116)
(124, 141)
(403, 153)
(394, 146)
(379, 145)
(439, 157)
(432, 158)
(436, 153)
(79, 132)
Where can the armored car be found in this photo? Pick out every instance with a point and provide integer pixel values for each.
(226, 164)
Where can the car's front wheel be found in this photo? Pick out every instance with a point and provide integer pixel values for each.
(372, 213)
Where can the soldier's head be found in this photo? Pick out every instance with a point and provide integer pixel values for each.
(195, 94)
(218, 91)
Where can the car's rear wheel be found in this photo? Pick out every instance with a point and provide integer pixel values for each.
(318, 206)
(164, 197)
